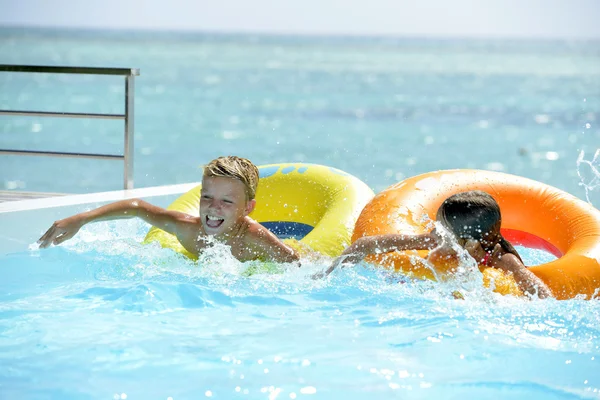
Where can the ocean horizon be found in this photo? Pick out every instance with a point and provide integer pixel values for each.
(380, 107)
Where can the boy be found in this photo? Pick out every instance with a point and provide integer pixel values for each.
(227, 197)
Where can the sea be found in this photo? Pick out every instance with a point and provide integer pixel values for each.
(379, 108)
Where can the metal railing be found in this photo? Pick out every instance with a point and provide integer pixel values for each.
(127, 116)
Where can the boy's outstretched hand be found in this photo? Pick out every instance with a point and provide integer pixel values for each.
(60, 231)
(323, 274)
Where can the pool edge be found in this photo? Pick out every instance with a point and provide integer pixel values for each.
(68, 200)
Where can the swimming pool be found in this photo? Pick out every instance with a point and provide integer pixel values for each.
(103, 317)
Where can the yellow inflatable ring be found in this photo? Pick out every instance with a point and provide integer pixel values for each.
(534, 215)
(312, 207)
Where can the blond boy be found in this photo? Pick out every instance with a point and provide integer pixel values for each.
(227, 197)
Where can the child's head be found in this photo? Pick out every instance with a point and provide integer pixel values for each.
(237, 168)
(472, 215)
(227, 196)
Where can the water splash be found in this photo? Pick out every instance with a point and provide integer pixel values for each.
(589, 176)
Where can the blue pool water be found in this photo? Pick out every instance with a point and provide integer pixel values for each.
(104, 317)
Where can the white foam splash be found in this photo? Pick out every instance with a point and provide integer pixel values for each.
(589, 175)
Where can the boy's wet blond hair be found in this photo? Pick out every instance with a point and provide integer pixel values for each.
(237, 168)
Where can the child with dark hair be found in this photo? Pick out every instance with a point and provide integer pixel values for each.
(474, 219)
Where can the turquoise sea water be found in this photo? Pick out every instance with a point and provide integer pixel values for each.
(379, 108)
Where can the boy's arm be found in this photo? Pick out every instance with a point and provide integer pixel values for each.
(382, 244)
(268, 247)
(65, 229)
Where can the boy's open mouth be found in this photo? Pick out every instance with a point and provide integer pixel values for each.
(213, 222)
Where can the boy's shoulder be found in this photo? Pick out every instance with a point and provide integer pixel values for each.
(265, 245)
(254, 230)
(254, 235)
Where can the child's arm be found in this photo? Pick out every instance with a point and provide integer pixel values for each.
(382, 244)
(266, 246)
(528, 282)
(65, 229)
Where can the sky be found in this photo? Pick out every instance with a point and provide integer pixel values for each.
(564, 19)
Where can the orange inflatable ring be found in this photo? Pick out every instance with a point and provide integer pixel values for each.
(534, 215)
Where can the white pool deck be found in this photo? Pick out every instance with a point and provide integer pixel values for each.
(21, 201)
(10, 195)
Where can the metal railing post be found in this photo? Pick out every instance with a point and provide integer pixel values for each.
(129, 131)
(127, 116)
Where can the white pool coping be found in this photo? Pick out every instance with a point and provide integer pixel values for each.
(76, 199)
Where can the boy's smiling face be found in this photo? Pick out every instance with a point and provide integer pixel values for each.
(223, 204)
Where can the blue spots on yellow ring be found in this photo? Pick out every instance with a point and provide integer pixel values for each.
(265, 172)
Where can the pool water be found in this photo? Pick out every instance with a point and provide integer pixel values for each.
(104, 317)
